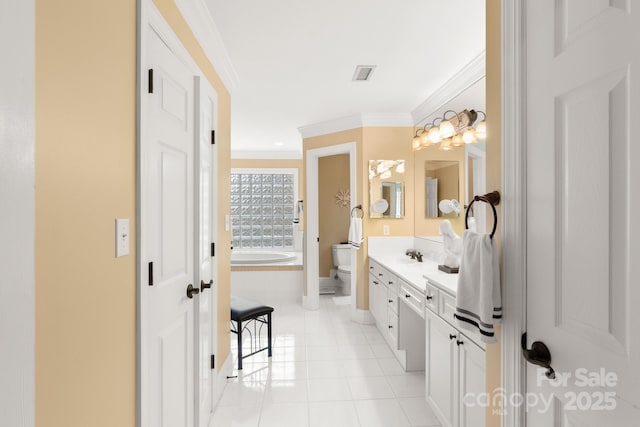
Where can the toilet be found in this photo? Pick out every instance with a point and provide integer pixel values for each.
(342, 261)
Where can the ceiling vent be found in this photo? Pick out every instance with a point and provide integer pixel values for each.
(363, 73)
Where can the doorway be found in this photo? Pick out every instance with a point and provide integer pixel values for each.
(311, 300)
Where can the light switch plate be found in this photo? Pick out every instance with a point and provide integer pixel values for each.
(122, 237)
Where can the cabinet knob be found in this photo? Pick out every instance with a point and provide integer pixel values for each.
(380, 274)
(390, 326)
(459, 343)
(370, 267)
(407, 296)
(390, 282)
(452, 337)
(390, 300)
(375, 283)
(429, 297)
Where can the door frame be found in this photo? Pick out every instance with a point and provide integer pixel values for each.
(514, 194)
(311, 300)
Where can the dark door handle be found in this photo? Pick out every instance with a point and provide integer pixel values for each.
(191, 291)
(204, 285)
(452, 337)
(539, 354)
(459, 343)
(429, 297)
(407, 296)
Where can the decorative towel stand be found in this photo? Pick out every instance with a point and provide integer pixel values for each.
(358, 207)
(492, 199)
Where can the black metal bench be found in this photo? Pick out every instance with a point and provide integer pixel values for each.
(245, 313)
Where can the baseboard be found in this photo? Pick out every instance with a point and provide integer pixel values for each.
(363, 316)
(224, 371)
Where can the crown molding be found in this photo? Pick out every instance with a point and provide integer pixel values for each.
(204, 28)
(266, 154)
(462, 80)
(356, 121)
(387, 119)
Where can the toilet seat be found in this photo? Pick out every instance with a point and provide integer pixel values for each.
(344, 269)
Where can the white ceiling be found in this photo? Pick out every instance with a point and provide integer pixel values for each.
(295, 59)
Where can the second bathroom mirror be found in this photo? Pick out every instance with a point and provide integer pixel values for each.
(386, 188)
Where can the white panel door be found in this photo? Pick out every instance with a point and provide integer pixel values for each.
(583, 240)
(167, 240)
(206, 266)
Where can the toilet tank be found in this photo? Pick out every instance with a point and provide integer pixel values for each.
(341, 254)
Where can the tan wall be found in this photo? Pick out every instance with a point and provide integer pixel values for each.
(173, 16)
(494, 166)
(85, 178)
(333, 227)
(373, 143)
(388, 143)
(431, 226)
(352, 135)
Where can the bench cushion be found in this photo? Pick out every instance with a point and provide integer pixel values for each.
(243, 309)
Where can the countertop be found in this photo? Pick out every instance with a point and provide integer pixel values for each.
(417, 273)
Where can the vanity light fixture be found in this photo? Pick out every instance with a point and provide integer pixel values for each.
(383, 168)
(452, 130)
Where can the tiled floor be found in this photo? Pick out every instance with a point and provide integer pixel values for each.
(325, 371)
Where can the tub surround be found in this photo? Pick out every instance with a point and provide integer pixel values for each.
(294, 262)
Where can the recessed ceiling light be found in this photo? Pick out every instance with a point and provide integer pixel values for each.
(363, 73)
(278, 143)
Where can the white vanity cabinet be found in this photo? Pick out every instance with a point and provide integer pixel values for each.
(455, 372)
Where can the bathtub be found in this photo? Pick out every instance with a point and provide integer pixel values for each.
(271, 277)
(248, 257)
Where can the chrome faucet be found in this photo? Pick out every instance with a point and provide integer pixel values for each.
(414, 254)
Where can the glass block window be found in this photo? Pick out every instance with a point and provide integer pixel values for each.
(262, 208)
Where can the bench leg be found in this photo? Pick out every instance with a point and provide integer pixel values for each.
(239, 327)
(269, 332)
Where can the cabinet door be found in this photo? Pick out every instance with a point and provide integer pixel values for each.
(472, 383)
(441, 368)
(373, 290)
(381, 307)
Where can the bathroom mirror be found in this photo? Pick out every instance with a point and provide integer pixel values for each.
(386, 188)
(441, 184)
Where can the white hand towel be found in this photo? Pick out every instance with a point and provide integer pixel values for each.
(355, 232)
(298, 212)
(479, 300)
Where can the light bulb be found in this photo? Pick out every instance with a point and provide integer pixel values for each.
(446, 144)
(469, 136)
(400, 167)
(424, 139)
(415, 143)
(481, 130)
(434, 135)
(457, 141)
(446, 129)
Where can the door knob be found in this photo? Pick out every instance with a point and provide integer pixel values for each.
(204, 285)
(452, 337)
(539, 354)
(191, 291)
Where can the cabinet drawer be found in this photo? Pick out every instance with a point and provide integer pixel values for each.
(392, 299)
(412, 297)
(374, 268)
(392, 328)
(447, 307)
(431, 297)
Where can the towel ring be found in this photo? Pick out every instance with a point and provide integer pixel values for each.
(354, 209)
(492, 199)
